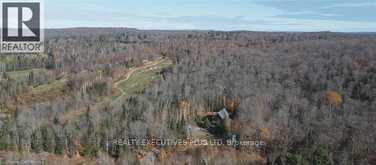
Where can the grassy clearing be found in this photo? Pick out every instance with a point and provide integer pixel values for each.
(19, 75)
(135, 80)
(41, 93)
(50, 86)
(24, 74)
(140, 79)
(12, 58)
(45, 93)
(7, 59)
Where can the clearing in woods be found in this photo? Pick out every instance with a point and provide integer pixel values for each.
(39, 92)
(24, 74)
(136, 79)
(45, 92)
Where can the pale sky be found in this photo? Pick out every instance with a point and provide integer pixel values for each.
(254, 15)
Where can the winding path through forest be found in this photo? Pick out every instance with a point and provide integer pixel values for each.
(148, 65)
(145, 66)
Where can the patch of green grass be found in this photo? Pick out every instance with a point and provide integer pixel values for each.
(7, 59)
(137, 82)
(45, 92)
(142, 79)
(17, 75)
(12, 59)
(50, 86)
(24, 74)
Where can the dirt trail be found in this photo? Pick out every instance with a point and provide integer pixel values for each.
(147, 65)
(126, 76)
(144, 66)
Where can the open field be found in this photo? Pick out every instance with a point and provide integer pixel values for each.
(142, 77)
(45, 93)
(133, 81)
(24, 74)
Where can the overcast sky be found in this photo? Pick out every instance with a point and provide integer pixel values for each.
(257, 15)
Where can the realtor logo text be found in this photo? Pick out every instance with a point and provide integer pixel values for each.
(21, 27)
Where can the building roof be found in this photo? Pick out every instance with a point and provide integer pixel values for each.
(223, 114)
